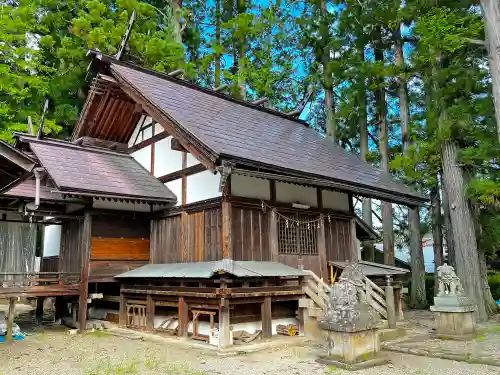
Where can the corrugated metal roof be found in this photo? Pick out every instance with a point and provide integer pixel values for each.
(206, 270)
(374, 269)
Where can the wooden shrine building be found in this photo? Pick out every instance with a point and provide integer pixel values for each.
(160, 171)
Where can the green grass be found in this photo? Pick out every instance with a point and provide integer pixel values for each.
(106, 368)
(135, 367)
(98, 334)
(493, 329)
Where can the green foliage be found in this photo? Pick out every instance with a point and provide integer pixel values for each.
(494, 283)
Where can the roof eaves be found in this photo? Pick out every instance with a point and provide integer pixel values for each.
(323, 181)
(97, 194)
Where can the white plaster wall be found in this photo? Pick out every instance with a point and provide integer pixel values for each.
(201, 186)
(291, 193)
(335, 200)
(51, 240)
(143, 157)
(250, 187)
(191, 160)
(166, 159)
(176, 187)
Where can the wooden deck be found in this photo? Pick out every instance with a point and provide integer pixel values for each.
(39, 284)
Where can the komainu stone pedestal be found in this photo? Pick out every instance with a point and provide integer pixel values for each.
(455, 315)
(455, 322)
(350, 325)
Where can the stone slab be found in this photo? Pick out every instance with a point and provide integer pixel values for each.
(453, 309)
(451, 300)
(353, 366)
(353, 347)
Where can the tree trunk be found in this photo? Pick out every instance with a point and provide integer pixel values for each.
(462, 222)
(387, 220)
(437, 230)
(366, 209)
(448, 231)
(418, 298)
(218, 42)
(491, 15)
(177, 19)
(327, 78)
(241, 71)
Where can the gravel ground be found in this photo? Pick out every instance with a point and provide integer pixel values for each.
(53, 352)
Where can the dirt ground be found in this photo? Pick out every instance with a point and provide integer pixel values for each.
(53, 351)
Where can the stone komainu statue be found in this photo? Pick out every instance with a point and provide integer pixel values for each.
(448, 282)
(346, 308)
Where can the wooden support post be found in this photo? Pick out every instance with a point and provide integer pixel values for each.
(273, 236)
(354, 251)
(182, 316)
(224, 325)
(227, 251)
(321, 244)
(123, 310)
(84, 278)
(74, 311)
(398, 296)
(39, 310)
(150, 309)
(267, 321)
(10, 319)
(389, 300)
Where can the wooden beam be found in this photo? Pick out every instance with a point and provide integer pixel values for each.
(354, 251)
(319, 197)
(150, 311)
(176, 146)
(10, 319)
(184, 180)
(227, 251)
(197, 168)
(321, 244)
(224, 327)
(266, 314)
(273, 236)
(123, 308)
(272, 186)
(84, 277)
(150, 141)
(182, 315)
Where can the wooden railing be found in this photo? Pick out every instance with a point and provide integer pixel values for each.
(375, 297)
(317, 290)
(30, 279)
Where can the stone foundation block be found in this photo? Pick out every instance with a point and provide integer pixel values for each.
(455, 322)
(353, 347)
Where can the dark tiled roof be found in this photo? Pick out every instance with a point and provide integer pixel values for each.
(82, 169)
(235, 130)
(26, 189)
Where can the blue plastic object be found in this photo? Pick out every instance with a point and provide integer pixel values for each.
(18, 337)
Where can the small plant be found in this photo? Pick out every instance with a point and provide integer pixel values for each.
(98, 333)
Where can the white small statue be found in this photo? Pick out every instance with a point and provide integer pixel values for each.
(448, 282)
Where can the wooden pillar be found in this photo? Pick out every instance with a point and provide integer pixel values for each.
(267, 321)
(182, 316)
(74, 311)
(224, 325)
(321, 244)
(389, 300)
(150, 317)
(273, 236)
(227, 251)
(354, 249)
(398, 297)
(39, 310)
(10, 319)
(84, 276)
(122, 322)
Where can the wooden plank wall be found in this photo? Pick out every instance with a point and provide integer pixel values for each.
(187, 237)
(70, 257)
(120, 242)
(50, 264)
(338, 239)
(250, 234)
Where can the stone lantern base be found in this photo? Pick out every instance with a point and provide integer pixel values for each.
(455, 322)
(353, 350)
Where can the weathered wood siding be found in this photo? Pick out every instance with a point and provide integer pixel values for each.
(250, 234)
(338, 239)
(49, 264)
(310, 262)
(120, 242)
(187, 237)
(70, 256)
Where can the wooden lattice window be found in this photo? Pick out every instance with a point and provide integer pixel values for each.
(297, 234)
